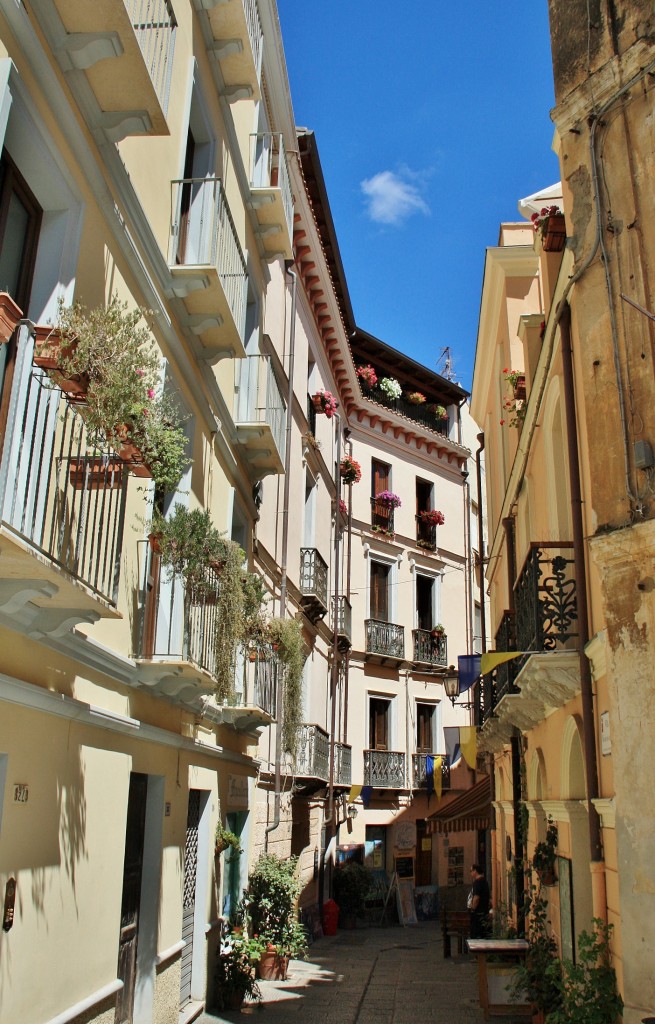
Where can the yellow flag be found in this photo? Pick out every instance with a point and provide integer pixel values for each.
(437, 777)
(468, 744)
(354, 793)
(488, 662)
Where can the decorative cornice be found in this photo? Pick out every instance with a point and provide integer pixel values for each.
(606, 807)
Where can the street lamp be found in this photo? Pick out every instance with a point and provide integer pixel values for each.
(450, 680)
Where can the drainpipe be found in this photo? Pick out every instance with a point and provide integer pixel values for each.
(279, 706)
(349, 550)
(515, 744)
(483, 617)
(599, 896)
(334, 670)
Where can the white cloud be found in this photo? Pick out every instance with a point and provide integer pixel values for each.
(391, 198)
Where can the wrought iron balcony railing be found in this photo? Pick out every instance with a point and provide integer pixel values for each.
(67, 504)
(382, 518)
(384, 639)
(426, 535)
(342, 621)
(423, 414)
(419, 770)
(343, 764)
(385, 769)
(545, 599)
(313, 753)
(154, 26)
(313, 582)
(429, 649)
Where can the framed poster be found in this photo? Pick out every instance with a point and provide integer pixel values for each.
(405, 901)
(566, 907)
(405, 867)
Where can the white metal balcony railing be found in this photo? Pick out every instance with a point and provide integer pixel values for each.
(203, 235)
(259, 398)
(154, 26)
(269, 169)
(255, 32)
(385, 769)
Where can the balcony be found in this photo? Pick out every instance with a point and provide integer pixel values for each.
(237, 35)
(62, 511)
(260, 417)
(313, 584)
(207, 265)
(342, 623)
(423, 414)
(426, 535)
(384, 769)
(385, 642)
(343, 765)
(125, 49)
(382, 519)
(313, 754)
(254, 702)
(429, 649)
(270, 191)
(525, 690)
(419, 773)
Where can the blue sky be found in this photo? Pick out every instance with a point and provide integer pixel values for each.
(432, 121)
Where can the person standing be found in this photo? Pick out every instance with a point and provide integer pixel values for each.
(478, 903)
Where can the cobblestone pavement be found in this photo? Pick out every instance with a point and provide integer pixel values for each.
(372, 976)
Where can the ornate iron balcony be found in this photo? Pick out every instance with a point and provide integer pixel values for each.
(343, 622)
(382, 518)
(426, 535)
(384, 639)
(419, 770)
(385, 769)
(545, 599)
(429, 649)
(313, 583)
(313, 756)
(343, 770)
(262, 670)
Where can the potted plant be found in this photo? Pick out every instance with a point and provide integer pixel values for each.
(432, 517)
(367, 376)
(350, 470)
(588, 987)
(235, 970)
(10, 316)
(438, 631)
(188, 543)
(516, 380)
(550, 224)
(538, 977)
(388, 499)
(224, 839)
(415, 398)
(544, 854)
(96, 472)
(325, 402)
(390, 387)
(271, 901)
(352, 883)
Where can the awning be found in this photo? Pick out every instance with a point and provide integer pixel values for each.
(468, 811)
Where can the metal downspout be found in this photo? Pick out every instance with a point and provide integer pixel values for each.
(279, 704)
(599, 895)
(334, 670)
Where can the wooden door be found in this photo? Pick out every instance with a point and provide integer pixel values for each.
(424, 717)
(379, 591)
(131, 898)
(189, 893)
(379, 724)
(423, 854)
(424, 601)
(380, 477)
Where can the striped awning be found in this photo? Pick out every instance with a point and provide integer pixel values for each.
(468, 811)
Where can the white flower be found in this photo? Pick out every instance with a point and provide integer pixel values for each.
(390, 387)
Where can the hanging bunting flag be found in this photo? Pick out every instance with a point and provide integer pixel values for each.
(367, 793)
(437, 776)
(488, 662)
(468, 669)
(461, 741)
(429, 774)
(354, 793)
(451, 736)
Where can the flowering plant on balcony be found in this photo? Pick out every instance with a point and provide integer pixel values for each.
(367, 375)
(415, 398)
(325, 402)
(388, 499)
(351, 471)
(513, 376)
(438, 631)
(540, 220)
(390, 387)
(432, 516)
(343, 508)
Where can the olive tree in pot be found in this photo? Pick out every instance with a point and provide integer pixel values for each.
(271, 900)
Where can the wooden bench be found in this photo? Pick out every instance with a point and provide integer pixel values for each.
(454, 923)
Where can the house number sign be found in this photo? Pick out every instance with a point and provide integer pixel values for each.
(21, 792)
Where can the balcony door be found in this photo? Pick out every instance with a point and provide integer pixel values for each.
(425, 719)
(379, 599)
(196, 198)
(379, 723)
(425, 617)
(380, 477)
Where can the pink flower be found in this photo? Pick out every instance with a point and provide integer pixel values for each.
(502, 422)
(151, 392)
(140, 373)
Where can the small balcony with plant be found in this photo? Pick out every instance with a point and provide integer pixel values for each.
(207, 264)
(271, 195)
(385, 641)
(427, 521)
(383, 507)
(342, 622)
(406, 400)
(128, 68)
(313, 583)
(260, 416)
(385, 769)
(237, 42)
(420, 773)
(431, 646)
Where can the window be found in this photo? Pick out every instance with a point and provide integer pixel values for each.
(381, 515)
(20, 219)
(379, 600)
(380, 477)
(379, 721)
(425, 719)
(425, 617)
(423, 495)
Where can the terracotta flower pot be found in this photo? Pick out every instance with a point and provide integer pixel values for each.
(10, 314)
(554, 235)
(48, 354)
(95, 473)
(272, 967)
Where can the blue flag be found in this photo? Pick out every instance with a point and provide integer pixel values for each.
(468, 666)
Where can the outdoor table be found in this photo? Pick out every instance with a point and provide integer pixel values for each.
(511, 949)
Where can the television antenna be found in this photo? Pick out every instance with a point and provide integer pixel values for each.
(446, 359)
